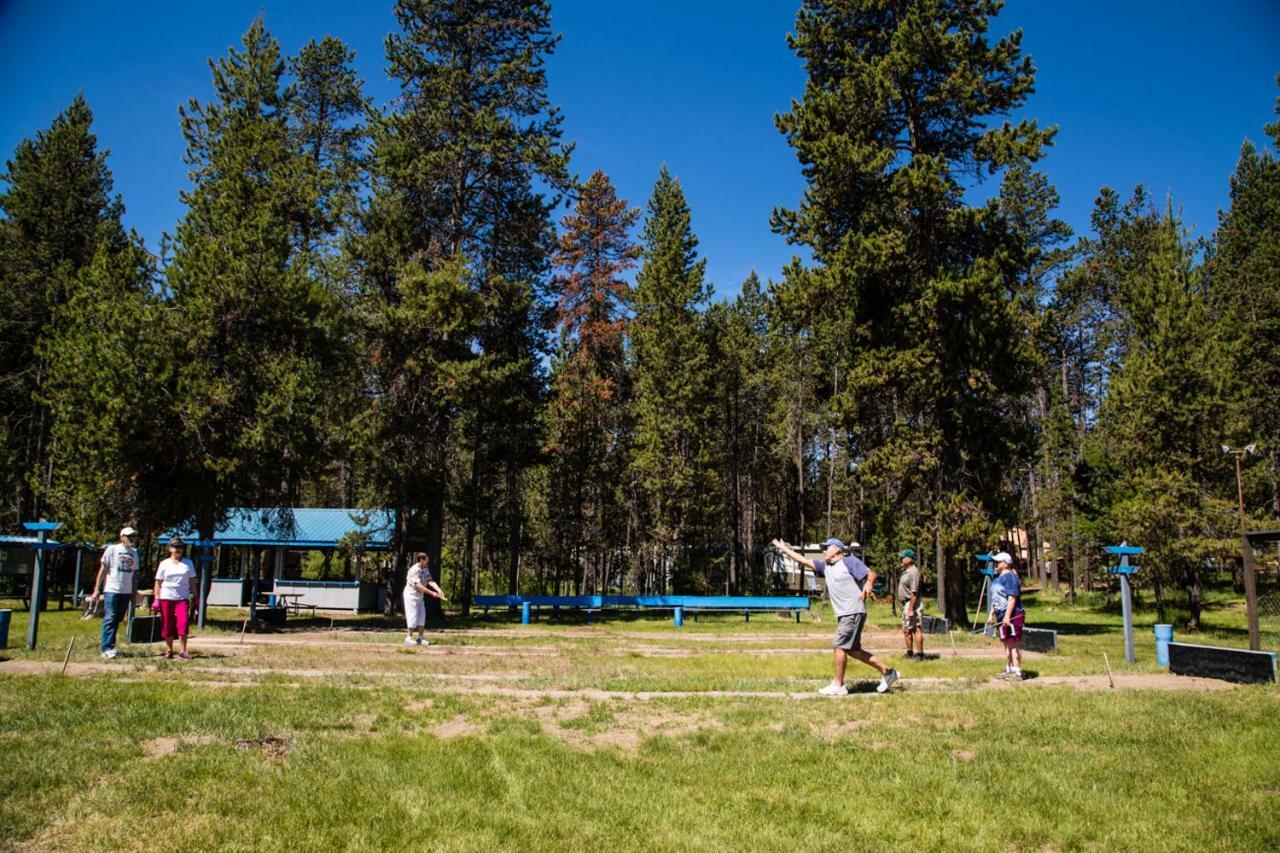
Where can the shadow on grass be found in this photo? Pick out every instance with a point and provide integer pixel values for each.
(1076, 629)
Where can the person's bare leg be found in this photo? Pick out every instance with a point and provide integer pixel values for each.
(919, 632)
(906, 639)
(869, 659)
(842, 661)
(1015, 653)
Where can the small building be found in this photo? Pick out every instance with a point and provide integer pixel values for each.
(786, 574)
(262, 552)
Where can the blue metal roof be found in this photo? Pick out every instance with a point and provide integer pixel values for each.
(308, 528)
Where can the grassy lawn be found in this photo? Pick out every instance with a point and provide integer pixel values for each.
(533, 737)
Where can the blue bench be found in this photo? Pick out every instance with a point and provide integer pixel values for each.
(678, 604)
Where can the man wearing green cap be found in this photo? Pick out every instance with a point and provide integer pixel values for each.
(909, 598)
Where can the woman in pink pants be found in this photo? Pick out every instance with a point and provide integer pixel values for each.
(174, 578)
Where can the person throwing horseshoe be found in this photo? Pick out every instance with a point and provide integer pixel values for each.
(849, 584)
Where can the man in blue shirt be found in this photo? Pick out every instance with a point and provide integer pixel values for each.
(849, 584)
(1007, 614)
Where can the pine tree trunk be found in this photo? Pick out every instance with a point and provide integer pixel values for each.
(955, 583)
(1195, 597)
(468, 567)
(940, 567)
(435, 543)
(514, 529)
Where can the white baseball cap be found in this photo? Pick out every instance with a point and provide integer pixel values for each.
(1002, 557)
(128, 531)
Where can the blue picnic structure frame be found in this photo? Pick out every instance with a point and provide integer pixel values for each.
(531, 605)
(309, 529)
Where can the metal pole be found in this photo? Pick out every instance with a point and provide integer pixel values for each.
(1250, 592)
(37, 581)
(75, 590)
(1126, 606)
(206, 582)
(256, 561)
(1246, 550)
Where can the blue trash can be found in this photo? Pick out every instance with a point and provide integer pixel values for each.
(5, 617)
(1164, 636)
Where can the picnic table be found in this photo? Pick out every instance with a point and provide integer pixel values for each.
(292, 601)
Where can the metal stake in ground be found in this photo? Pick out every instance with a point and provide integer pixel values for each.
(1124, 551)
(67, 657)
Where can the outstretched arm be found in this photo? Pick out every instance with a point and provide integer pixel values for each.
(794, 554)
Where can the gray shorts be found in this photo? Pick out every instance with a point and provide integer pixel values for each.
(849, 632)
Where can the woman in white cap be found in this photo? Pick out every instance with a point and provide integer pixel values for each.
(117, 573)
(174, 579)
(1007, 614)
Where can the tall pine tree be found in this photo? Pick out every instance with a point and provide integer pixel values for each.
(1244, 281)
(916, 287)
(56, 212)
(455, 239)
(257, 337)
(670, 365)
(588, 438)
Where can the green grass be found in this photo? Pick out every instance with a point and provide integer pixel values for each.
(350, 741)
(364, 769)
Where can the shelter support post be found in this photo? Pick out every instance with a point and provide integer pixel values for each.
(1251, 593)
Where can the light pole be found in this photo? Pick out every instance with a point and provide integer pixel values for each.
(1250, 583)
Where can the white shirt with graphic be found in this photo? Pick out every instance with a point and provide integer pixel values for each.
(122, 567)
(418, 574)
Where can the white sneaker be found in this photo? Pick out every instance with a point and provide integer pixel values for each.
(887, 681)
(423, 641)
(109, 654)
(410, 641)
(834, 689)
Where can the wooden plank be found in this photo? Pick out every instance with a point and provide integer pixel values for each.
(1236, 665)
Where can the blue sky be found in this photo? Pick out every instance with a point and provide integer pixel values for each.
(1159, 93)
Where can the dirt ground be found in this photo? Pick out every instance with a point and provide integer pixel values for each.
(361, 661)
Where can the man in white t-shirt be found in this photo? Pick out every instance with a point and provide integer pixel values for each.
(116, 581)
